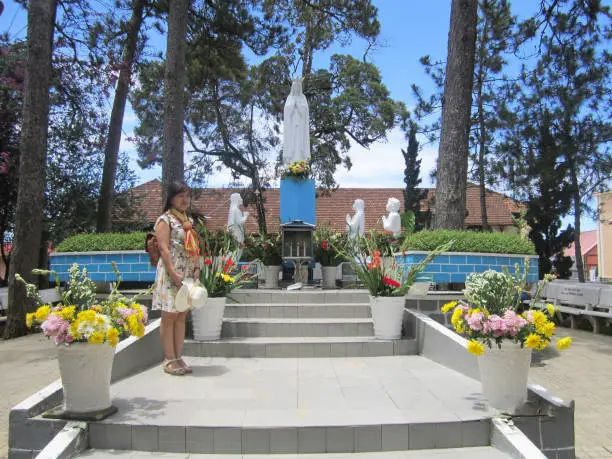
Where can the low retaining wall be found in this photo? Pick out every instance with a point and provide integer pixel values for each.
(545, 419)
(133, 265)
(454, 267)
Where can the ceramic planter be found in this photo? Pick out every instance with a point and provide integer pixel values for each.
(387, 313)
(329, 276)
(85, 370)
(208, 320)
(503, 374)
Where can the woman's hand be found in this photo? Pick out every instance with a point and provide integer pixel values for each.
(177, 279)
(196, 274)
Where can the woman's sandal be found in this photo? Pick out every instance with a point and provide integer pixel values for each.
(186, 367)
(176, 370)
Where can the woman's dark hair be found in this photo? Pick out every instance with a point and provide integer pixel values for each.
(174, 189)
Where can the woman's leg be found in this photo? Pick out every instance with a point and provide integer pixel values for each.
(168, 323)
(179, 337)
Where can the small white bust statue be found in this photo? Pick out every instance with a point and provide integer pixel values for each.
(355, 225)
(393, 221)
(236, 218)
(296, 125)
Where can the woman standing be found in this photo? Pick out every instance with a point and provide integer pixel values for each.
(180, 255)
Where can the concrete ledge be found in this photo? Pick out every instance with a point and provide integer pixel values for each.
(509, 439)
(545, 419)
(28, 433)
(70, 441)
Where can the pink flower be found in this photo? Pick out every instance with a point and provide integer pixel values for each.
(475, 321)
(69, 339)
(59, 339)
(496, 325)
(54, 325)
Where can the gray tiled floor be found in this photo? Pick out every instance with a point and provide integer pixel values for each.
(295, 392)
(463, 453)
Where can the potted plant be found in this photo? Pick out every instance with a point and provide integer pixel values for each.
(387, 284)
(491, 315)
(267, 249)
(327, 247)
(219, 274)
(85, 332)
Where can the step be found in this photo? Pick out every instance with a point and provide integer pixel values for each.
(351, 346)
(306, 295)
(302, 311)
(263, 406)
(266, 327)
(481, 452)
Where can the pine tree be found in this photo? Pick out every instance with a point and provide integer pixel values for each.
(412, 193)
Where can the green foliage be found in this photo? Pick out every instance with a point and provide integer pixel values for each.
(106, 242)
(412, 193)
(216, 242)
(328, 245)
(469, 241)
(265, 248)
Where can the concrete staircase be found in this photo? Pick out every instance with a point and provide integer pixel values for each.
(337, 392)
(306, 323)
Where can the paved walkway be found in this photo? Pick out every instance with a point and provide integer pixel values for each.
(582, 373)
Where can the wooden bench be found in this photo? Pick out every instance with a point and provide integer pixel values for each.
(589, 300)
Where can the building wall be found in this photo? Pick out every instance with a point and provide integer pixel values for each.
(604, 235)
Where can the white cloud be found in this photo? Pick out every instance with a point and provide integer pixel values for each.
(382, 165)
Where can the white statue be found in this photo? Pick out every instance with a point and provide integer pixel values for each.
(296, 125)
(355, 225)
(393, 221)
(236, 218)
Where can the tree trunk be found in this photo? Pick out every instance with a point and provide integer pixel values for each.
(577, 213)
(111, 154)
(456, 108)
(174, 94)
(482, 137)
(33, 146)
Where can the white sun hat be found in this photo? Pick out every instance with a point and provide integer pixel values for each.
(190, 295)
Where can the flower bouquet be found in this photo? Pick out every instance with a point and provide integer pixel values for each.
(220, 275)
(80, 325)
(387, 284)
(328, 246)
(266, 248)
(297, 169)
(493, 313)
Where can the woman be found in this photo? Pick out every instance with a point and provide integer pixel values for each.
(180, 255)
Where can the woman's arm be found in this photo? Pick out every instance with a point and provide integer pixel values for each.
(162, 233)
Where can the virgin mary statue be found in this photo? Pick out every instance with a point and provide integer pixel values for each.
(296, 125)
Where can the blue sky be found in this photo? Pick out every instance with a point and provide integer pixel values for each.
(409, 29)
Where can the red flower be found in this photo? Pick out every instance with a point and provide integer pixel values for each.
(207, 261)
(390, 282)
(324, 245)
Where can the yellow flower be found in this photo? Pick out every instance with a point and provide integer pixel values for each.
(42, 313)
(30, 319)
(474, 347)
(88, 315)
(539, 318)
(550, 309)
(460, 327)
(564, 343)
(96, 338)
(448, 306)
(533, 341)
(112, 336)
(457, 315)
(67, 313)
(74, 329)
(543, 344)
(547, 329)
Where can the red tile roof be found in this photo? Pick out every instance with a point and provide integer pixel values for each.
(214, 203)
(588, 241)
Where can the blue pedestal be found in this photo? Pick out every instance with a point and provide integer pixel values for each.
(297, 200)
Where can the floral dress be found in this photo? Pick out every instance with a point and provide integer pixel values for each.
(165, 291)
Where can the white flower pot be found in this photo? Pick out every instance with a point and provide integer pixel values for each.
(271, 273)
(387, 313)
(503, 374)
(86, 370)
(208, 320)
(328, 276)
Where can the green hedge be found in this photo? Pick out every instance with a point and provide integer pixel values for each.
(470, 241)
(106, 242)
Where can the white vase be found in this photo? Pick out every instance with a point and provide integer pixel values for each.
(387, 314)
(328, 279)
(208, 320)
(503, 374)
(86, 371)
(271, 273)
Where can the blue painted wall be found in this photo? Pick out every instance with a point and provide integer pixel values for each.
(297, 200)
(455, 267)
(133, 265)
